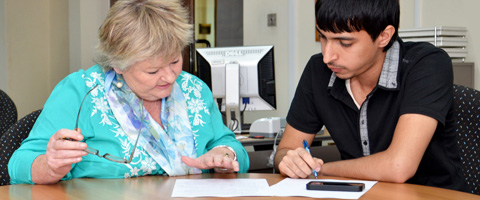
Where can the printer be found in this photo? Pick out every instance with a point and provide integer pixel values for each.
(267, 127)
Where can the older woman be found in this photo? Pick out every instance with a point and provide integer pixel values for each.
(135, 113)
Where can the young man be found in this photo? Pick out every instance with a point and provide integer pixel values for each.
(388, 105)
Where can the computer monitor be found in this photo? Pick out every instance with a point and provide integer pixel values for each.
(241, 79)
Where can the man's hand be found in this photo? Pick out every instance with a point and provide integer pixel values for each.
(299, 163)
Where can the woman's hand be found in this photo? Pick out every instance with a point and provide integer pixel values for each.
(63, 150)
(221, 159)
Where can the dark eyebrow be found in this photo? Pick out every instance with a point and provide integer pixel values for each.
(344, 38)
(336, 38)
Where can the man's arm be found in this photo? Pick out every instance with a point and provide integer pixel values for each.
(401, 159)
(292, 159)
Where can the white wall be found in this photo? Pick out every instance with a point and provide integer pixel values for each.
(58, 42)
(35, 35)
(305, 44)
(85, 18)
(293, 39)
(432, 13)
(407, 13)
(42, 41)
(3, 49)
(462, 13)
(256, 32)
(35, 41)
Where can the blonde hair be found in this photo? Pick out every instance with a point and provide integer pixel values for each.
(137, 30)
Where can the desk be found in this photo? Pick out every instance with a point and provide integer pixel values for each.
(160, 187)
(259, 159)
(269, 141)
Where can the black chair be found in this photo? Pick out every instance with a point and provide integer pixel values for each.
(467, 125)
(8, 112)
(11, 140)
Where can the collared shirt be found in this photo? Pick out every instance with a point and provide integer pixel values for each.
(388, 79)
(415, 78)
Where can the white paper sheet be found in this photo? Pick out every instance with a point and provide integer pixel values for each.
(220, 188)
(297, 187)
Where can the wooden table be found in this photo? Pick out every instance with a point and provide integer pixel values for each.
(160, 187)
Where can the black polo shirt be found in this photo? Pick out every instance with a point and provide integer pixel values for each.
(416, 78)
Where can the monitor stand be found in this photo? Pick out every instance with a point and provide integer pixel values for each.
(232, 97)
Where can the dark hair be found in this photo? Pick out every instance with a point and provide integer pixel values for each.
(373, 16)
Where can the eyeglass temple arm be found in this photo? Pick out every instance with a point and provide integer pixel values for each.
(81, 104)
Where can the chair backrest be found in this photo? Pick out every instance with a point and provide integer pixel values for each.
(467, 125)
(11, 140)
(8, 112)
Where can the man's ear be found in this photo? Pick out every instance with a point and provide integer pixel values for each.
(385, 36)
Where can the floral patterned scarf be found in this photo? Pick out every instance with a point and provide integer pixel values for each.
(165, 145)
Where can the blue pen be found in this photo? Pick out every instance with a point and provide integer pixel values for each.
(305, 144)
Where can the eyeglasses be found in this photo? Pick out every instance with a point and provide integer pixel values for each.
(108, 156)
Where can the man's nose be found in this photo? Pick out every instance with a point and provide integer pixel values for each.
(329, 52)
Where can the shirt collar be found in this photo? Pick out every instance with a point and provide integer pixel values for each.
(388, 76)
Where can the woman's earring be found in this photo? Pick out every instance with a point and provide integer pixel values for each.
(119, 84)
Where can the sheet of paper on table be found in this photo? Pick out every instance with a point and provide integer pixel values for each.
(297, 187)
(259, 187)
(220, 188)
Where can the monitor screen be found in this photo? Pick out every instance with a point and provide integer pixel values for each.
(249, 67)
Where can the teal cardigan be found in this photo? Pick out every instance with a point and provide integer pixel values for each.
(101, 130)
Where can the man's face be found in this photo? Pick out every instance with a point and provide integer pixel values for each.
(351, 54)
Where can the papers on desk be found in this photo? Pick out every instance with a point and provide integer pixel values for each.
(297, 187)
(220, 188)
(258, 187)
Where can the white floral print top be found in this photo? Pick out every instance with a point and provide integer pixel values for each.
(102, 131)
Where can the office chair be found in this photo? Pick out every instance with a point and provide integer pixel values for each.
(467, 126)
(11, 140)
(8, 112)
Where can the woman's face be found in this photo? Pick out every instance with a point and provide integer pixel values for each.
(153, 79)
